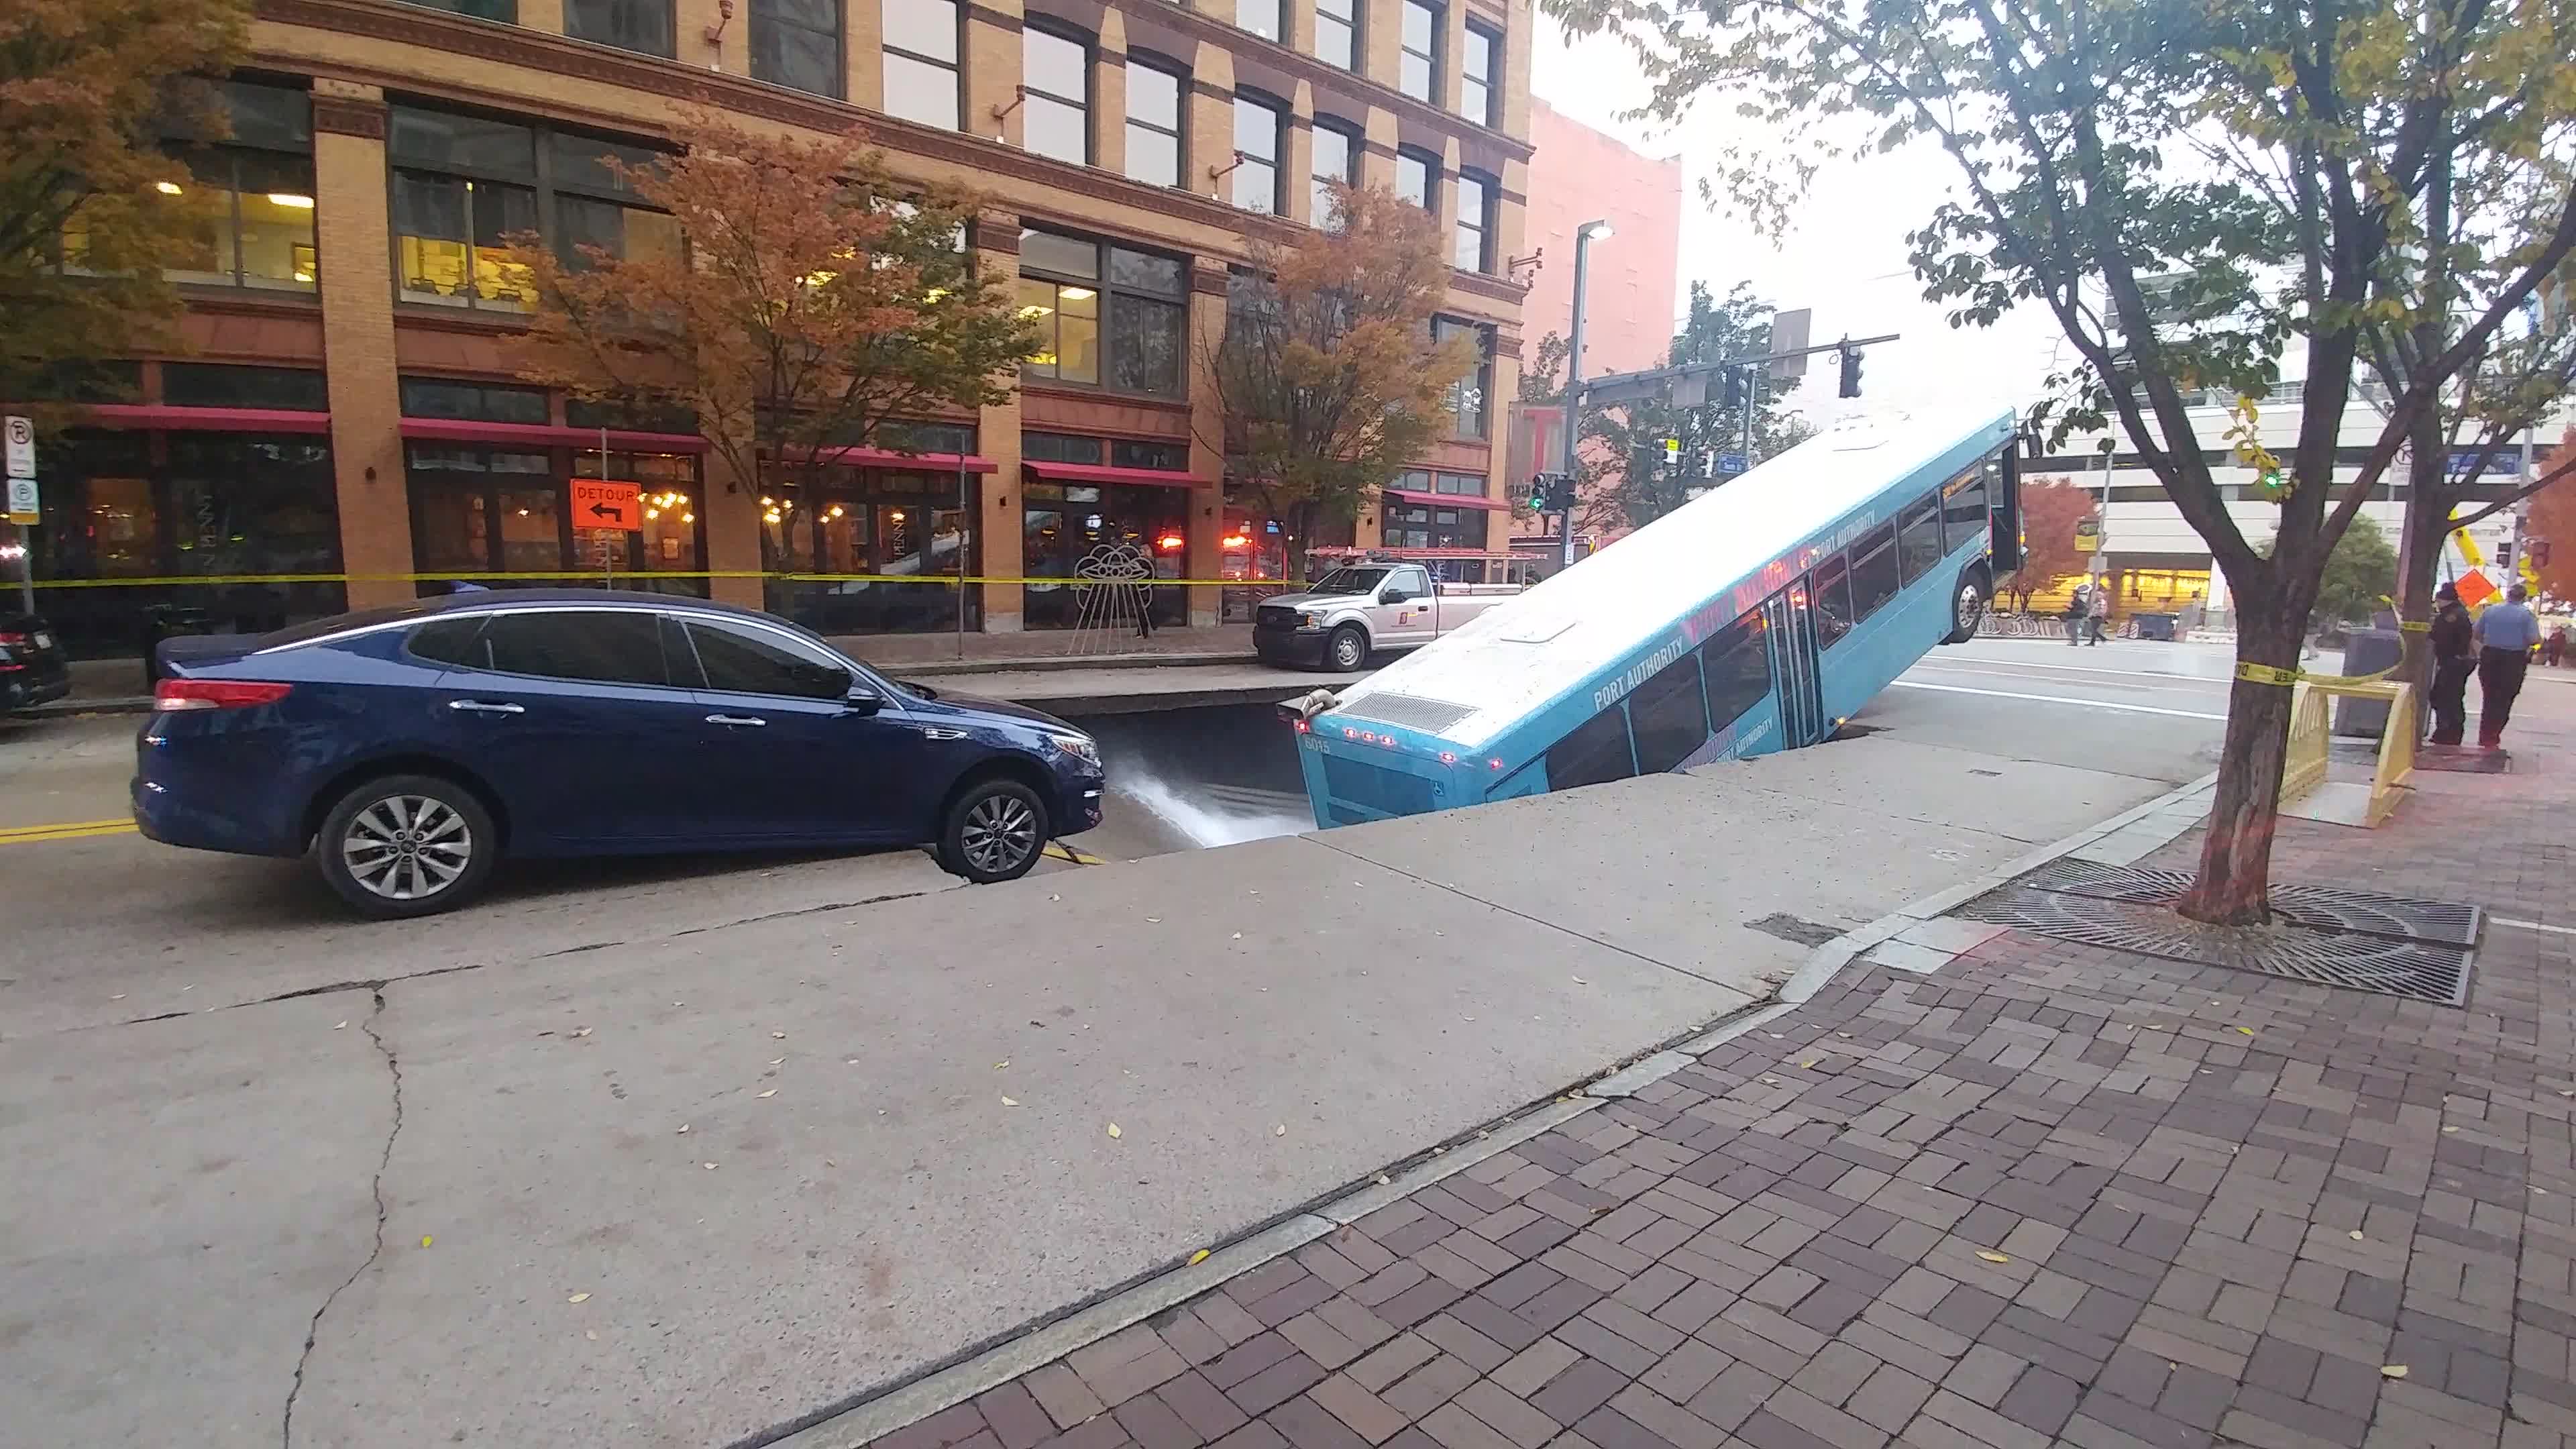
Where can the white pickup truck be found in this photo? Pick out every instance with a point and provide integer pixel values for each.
(1359, 609)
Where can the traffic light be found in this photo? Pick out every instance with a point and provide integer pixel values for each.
(1851, 372)
(1734, 387)
(1538, 492)
(1560, 495)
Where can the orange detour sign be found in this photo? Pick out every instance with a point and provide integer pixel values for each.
(598, 504)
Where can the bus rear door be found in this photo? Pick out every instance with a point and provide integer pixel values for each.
(1790, 618)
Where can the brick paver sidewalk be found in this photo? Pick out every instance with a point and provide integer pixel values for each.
(2050, 1195)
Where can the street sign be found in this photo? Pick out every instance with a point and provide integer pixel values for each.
(24, 506)
(2088, 536)
(597, 504)
(1733, 463)
(1789, 335)
(21, 447)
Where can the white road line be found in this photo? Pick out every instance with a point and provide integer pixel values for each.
(2057, 699)
(1985, 663)
(2531, 926)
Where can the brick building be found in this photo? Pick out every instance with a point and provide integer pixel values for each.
(347, 413)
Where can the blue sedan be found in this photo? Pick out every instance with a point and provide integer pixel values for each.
(407, 749)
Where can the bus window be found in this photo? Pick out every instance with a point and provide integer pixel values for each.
(1873, 578)
(1597, 751)
(1669, 716)
(1918, 537)
(1964, 510)
(1832, 589)
(1738, 665)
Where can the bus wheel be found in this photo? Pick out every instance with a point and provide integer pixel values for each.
(1967, 609)
(1348, 648)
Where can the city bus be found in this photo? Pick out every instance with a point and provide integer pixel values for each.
(1755, 618)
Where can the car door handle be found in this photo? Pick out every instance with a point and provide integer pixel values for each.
(485, 706)
(736, 719)
(933, 732)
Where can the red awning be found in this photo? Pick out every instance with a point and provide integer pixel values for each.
(1094, 473)
(1451, 500)
(207, 420)
(905, 462)
(537, 435)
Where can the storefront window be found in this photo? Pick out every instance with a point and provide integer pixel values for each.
(672, 540)
(214, 385)
(254, 201)
(155, 505)
(1112, 528)
(439, 397)
(485, 511)
(869, 534)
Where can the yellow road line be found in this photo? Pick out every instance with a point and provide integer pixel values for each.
(71, 830)
(1061, 851)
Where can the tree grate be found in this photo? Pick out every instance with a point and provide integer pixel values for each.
(2416, 970)
(2319, 908)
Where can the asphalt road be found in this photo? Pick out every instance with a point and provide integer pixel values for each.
(676, 1150)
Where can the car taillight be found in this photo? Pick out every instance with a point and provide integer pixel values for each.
(13, 640)
(177, 694)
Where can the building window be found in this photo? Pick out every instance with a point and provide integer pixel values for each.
(1417, 178)
(1337, 152)
(438, 397)
(503, 10)
(798, 43)
(464, 186)
(1152, 456)
(255, 217)
(1472, 245)
(1421, 525)
(1468, 394)
(1071, 286)
(1418, 68)
(922, 81)
(1059, 448)
(212, 385)
(1337, 33)
(1055, 75)
(1259, 123)
(643, 26)
(1154, 90)
(1261, 17)
(1476, 74)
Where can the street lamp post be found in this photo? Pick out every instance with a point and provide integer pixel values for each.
(1583, 236)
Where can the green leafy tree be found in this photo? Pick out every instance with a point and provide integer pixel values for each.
(1329, 382)
(1712, 330)
(2359, 573)
(91, 209)
(2190, 191)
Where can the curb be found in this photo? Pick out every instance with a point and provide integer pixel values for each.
(1928, 941)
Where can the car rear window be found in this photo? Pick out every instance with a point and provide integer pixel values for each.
(446, 641)
(338, 624)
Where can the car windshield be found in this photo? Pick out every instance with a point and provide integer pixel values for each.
(1350, 581)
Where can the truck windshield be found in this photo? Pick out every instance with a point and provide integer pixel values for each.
(1350, 581)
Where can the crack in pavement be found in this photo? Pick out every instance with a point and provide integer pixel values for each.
(313, 1331)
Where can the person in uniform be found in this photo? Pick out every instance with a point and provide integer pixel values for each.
(2507, 633)
(2454, 660)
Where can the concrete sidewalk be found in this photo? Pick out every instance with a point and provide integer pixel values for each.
(2048, 1195)
(689, 1188)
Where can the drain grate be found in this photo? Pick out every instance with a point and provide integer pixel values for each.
(2319, 908)
(2417, 970)
(2454, 760)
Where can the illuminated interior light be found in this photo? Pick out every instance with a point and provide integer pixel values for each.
(169, 188)
(1077, 294)
(290, 199)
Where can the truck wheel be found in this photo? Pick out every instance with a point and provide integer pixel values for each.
(1967, 609)
(1348, 648)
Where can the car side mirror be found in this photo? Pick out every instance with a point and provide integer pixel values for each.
(1395, 596)
(863, 700)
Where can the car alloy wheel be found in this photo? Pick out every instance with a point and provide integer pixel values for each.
(1001, 831)
(407, 847)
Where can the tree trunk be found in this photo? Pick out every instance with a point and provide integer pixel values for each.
(2419, 562)
(2234, 888)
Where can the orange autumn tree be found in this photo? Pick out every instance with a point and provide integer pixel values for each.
(1328, 378)
(2050, 509)
(815, 300)
(91, 209)
(2553, 519)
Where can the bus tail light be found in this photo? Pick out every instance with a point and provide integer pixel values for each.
(1303, 727)
(1496, 764)
(1448, 757)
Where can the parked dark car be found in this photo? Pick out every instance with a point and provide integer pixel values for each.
(32, 667)
(408, 749)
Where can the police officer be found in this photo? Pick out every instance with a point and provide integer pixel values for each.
(2454, 660)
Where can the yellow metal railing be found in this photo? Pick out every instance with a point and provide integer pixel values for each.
(2305, 767)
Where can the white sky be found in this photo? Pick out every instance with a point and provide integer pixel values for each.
(1845, 260)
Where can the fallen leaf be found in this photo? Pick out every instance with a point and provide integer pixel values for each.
(778, 1036)
(1579, 981)
(1198, 1257)
(1992, 1257)
(344, 1026)
(2450, 1129)
(777, 1061)
(1010, 1101)
(684, 1130)
(711, 1167)
(424, 1242)
(1114, 1132)
(1055, 898)
(1153, 920)
(1004, 1062)
(1806, 1066)
(1279, 1131)
(578, 1298)
(1381, 1179)
(585, 1031)
(772, 1092)
(2356, 1235)
(2392, 1371)
(1238, 936)
(120, 996)
(2249, 1031)
(590, 1333)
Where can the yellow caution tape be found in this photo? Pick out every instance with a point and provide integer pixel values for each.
(628, 576)
(2414, 626)
(2270, 674)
